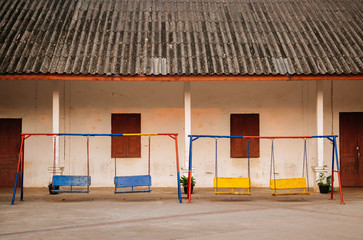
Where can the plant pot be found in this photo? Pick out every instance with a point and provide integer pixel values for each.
(51, 188)
(324, 188)
(186, 190)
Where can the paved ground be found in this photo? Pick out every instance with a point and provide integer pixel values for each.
(158, 215)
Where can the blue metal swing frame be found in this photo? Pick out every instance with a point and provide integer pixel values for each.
(331, 138)
(79, 181)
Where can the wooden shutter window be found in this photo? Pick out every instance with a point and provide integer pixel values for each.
(245, 125)
(126, 147)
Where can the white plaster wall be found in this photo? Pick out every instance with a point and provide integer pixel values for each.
(90, 105)
(285, 108)
(31, 101)
(86, 107)
(340, 96)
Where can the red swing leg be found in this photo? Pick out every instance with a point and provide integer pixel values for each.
(340, 188)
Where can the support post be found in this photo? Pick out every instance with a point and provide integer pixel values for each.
(175, 137)
(56, 170)
(187, 122)
(319, 130)
(335, 153)
(189, 195)
(18, 170)
(56, 117)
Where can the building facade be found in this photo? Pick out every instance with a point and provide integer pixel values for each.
(70, 68)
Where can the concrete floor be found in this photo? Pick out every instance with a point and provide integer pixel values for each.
(158, 215)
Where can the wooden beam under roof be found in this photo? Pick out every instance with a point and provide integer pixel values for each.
(80, 77)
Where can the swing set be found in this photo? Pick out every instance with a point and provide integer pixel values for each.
(132, 184)
(288, 186)
(66, 183)
(81, 183)
(231, 185)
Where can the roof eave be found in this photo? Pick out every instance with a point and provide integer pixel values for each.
(178, 78)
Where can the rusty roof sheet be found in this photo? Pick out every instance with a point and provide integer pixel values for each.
(181, 37)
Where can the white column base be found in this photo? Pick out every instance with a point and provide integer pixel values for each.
(317, 170)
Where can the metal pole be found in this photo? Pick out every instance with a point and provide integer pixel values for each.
(17, 171)
(149, 162)
(338, 171)
(189, 195)
(332, 172)
(54, 158)
(249, 171)
(22, 174)
(216, 164)
(114, 154)
(87, 163)
(177, 168)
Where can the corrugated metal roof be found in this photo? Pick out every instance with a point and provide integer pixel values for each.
(181, 37)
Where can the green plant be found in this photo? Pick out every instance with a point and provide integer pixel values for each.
(323, 180)
(184, 181)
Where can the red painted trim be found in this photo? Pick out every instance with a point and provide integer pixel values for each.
(275, 137)
(20, 153)
(40, 134)
(167, 134)
(177, 155)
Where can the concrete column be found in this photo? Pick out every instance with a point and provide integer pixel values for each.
(320, 121)
(56, 119)
(187, 123)
(319, 129)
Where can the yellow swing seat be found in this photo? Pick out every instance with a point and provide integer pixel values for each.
(290, 186)
(231, 185)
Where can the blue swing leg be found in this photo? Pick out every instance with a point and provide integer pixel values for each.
(14, 192)
(179, 190)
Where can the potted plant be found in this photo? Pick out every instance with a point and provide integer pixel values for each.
(50, 187)
(324, 182)
(184, 182)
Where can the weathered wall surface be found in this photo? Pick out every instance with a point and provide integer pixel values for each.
(285, 108)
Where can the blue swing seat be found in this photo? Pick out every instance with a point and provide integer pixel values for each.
(130, 182)
(71, 181)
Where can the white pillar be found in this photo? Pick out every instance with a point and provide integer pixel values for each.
(319, 131)
(56, 119)
(187, 122)
(320, 121)
(56, 105)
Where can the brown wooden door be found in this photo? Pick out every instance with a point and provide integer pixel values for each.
(10, 139)
(351, 148)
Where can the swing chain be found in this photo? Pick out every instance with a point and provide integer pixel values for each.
(216, 163)
(88, 163)
(248, 152)
(114, 152)
(272, 166)
(305, 164)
